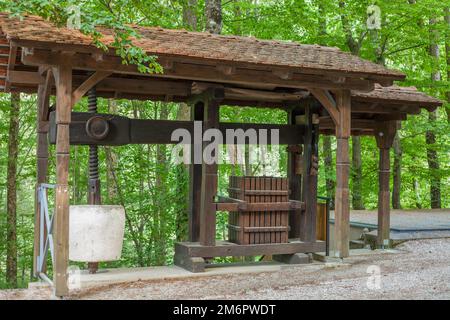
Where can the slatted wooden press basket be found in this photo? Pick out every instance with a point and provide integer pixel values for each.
(259, 221)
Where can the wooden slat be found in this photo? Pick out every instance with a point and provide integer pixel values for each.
(321, 220)
(263, 229)
(227, 206)
(258, 207)
(245, 184)
(263, 192)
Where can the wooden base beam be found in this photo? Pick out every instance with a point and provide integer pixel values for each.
(228, 249)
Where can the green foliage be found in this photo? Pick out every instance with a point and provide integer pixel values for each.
(92, 15)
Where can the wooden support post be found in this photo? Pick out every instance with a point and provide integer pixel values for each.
(209, 172)
(309, 180)
(63, 81)
(195, 181)
(41, 167)
(384, 135)
(342, 204)
(295, 178)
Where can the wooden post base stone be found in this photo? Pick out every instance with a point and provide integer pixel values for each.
(192, 264)
(297, 258)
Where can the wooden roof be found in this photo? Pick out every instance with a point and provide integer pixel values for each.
(397, 95)
(197, 45)
(252, 72)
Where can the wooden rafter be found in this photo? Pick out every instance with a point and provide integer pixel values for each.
(87, 85)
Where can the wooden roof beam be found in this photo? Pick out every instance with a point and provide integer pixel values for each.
(196, 72)
(326, 123)
(233, 93)
(24, 77)
(385, 108)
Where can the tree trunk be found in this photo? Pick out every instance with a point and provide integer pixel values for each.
(430, 136)
(447, 53)
(397, 171)
(11, 206)
(161, 187)
(415, 186)
(327, 151)
(213, 16)
(354, 44)
(182, 186)
(189, 14)
(182, 171)
(357, 200)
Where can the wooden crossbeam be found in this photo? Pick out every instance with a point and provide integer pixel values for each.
(197, 72)
(151, 88)
(160, 131)
(24, 77)
(356, 124)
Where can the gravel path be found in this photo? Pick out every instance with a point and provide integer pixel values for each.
(428, 219)
(420, 271)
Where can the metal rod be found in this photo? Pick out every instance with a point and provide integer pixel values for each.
(94, 196)
(327, 227)
(44, 277)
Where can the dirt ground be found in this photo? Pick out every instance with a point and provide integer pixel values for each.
(420, 271)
